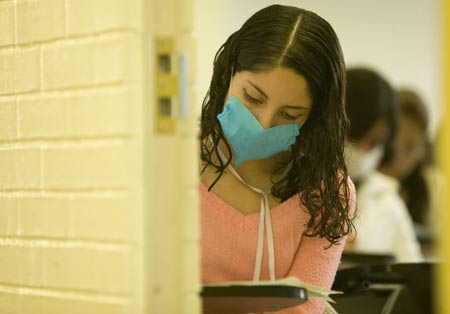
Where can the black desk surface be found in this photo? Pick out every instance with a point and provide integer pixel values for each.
(250, 299)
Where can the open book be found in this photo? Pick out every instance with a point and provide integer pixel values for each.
(262, 296)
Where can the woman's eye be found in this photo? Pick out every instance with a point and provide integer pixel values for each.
(251, 99)
(288, 116)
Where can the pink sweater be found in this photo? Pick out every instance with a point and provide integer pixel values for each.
(229, 239)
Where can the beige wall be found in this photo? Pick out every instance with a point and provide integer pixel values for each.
(70, 155)
(98, 212)
(175, 221)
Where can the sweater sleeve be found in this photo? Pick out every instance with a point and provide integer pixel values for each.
(315, 265)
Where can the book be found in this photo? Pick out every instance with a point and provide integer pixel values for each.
(259, 296)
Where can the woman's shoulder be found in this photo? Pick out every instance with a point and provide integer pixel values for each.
(381, 192)
(379, 184)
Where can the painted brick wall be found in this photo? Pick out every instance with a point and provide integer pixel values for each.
(175, 258)
(70, 132)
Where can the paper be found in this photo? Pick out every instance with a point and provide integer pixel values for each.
(314, 292)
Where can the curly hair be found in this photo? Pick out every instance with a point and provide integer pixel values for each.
(292, 38)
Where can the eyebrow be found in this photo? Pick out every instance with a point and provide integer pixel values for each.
(257, 88)
(267, 97)
(297, 107)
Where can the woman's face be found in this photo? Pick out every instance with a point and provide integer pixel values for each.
(409, 147)
(275, 98)
(375, 137)
(363, 155)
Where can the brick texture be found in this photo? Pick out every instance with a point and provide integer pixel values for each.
(19, 70)
(38, 20)
(100, 167)
(74, 207)
(87, 16)
(8, 120)
(7, 23)
(20, 168)
(70, 104)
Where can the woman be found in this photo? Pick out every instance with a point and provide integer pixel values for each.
(383, 223)
(373, 115)
(273, 128)
(410, 167)
(407, 162)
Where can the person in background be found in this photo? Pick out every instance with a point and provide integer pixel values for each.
(383, 224)
(411, 162)
(276, 200)
(372, 111)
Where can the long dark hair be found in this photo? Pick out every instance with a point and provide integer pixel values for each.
(293, 38)
(369, 98)
(414, 187)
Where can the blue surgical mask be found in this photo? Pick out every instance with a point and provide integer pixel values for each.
(250, 141)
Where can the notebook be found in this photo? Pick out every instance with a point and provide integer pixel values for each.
(262, 296)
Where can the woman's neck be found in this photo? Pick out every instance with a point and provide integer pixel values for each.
(259, 173)
(262, 173)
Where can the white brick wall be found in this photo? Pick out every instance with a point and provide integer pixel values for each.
(20, 168)
(72, 178)
(70, 130)
(87, 16)
(6, 23)
(37, 20)
(15, 63)
(8, 129)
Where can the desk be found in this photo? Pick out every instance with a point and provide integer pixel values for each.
(250, 299)
(391, 288)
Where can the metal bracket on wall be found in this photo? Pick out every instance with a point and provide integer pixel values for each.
(166, 85)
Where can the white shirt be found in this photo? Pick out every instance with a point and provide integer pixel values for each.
(383, 223)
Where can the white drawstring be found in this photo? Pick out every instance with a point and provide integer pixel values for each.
(269, 231)
(264, 215)
(259, 248)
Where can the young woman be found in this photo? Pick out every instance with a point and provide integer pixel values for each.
(383, 222)
(407, 163)
(373, 113)
(276, 200)
(410, 167)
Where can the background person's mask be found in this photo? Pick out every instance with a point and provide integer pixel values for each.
(362, 164)
(249, 139)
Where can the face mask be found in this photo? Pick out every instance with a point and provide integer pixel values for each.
(249, 139)
(362, 164)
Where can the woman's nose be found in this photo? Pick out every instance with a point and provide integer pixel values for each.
(266, 119)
